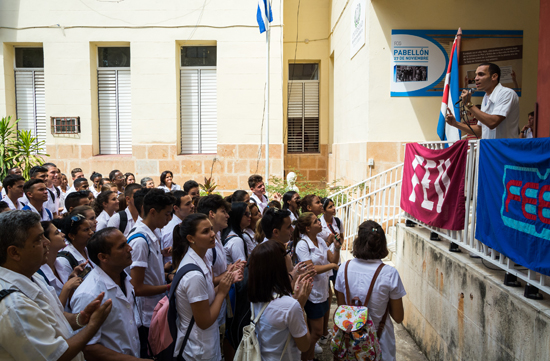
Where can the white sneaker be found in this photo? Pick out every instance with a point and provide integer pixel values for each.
(324, 340)
(318, 348)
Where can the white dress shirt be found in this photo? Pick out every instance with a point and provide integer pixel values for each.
(283, 316)
(52, 280)
(146, 254)
(32, 323)
(219, 267)
(248, 235)
(102, 221)
(504, 102)
(174, 187)
(10, 203)
(168, 235)
(234, 248)
(262, 204)
(114, 221)
(119, 332)
(45, 215)
(388, 286)
(63, 266)
(305, 251)
(195, 287)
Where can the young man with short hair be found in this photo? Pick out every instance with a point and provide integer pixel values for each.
(147, 268)
(76, 199)
(117, 339)
(13, 185)
(81, 184)
(54, 194)
(75, 174)
(257, 186)
(180, 210)
(32, 321)
(37, 194)
(11, 171)
(126, 219)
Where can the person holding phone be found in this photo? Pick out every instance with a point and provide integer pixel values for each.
(310, 248)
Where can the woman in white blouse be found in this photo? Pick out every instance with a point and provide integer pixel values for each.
(387, 296)
(196, 296)
(282, 330)
(105, 206)
(78, 232)
(310, 248)
(249, 232)
(166, 182)
(291, 199)
(48, 270)
(236, 245)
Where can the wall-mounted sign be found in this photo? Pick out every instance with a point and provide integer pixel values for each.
(420, 59)
(358, 13)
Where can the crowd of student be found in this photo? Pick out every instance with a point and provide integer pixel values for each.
(84, 270)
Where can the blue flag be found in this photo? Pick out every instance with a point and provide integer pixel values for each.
(264, 14)
(513, 203)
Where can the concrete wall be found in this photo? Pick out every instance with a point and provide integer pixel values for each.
(154, 31)
(457, 309)
(364, 112)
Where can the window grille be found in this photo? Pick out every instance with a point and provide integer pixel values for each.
(65, 125)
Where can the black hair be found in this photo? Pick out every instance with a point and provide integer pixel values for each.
(178, 195)
(326, 201)
(163, 177)
(212, 203)
(103, 197)
(70, 225)
(99, 243)
(300, 229)
(307, 201)
(73, 199)
(10, 181)
(30, 183)
(95, 175)
(236, 214)
(3, 205)
(129, 190)
(531, 114)
(370, 242)
(12, 169)
(46, 226)
(493, 69)
(287, 197)
(254, 179)
(37, 169)
(190, 184)
(180, 244)
(138, 199)
(267, 273)
(48, 165)
(237, 196)
(79, 181)
(157, 199)
(126, 175)
(15, 226)
(273, 218)
(112, 174)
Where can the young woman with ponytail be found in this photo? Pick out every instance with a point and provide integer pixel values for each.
(310, 248)
(105, 206)
(196, 296)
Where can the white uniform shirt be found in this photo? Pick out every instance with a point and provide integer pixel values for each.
(174, 187)
(326, 232)
(119, 332)
(168, 235)
(45, 215)
(504, 102)
(63, 266)
(234, 248)
(219, 267)
(32, 323)
(11, 205)
(114, 221)
(388, 286)
(102, 221)
(292, 216)
(248, 235)
(305, 251)
(94, 191)
(194, 287)
(528, 133)
(53, 202)
(146, 254)
(52, 280)
(283, 316)
(262, 204)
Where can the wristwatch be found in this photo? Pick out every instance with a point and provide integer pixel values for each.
(469, 105)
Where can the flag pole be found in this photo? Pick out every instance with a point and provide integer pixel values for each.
(267, 40)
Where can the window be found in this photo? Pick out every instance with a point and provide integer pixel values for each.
(303, 108)
(30, 95)
(198, 100)
(114, 98)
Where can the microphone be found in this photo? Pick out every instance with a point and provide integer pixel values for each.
(471, 91)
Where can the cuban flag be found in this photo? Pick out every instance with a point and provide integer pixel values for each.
(451, 95)
(264, 14)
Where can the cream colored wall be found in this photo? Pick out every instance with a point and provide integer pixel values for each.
(368, 123)
(152, 29)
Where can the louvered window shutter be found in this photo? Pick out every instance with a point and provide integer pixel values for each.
(198, 102)
(303, 116)
(115, 111)
(30, 100)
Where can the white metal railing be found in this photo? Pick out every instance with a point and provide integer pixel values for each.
(378, 198)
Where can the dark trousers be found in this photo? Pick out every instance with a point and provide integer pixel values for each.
(144, 342)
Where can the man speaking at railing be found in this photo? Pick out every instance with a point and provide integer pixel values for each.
(499, 114)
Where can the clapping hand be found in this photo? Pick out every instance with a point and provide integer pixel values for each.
(95, 312)
(302, 288)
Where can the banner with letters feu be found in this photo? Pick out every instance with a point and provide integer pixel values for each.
(432, 190)
(513, 203)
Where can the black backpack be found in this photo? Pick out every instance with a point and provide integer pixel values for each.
(123, 220)
(69, 257)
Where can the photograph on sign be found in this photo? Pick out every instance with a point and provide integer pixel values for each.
(405, 73)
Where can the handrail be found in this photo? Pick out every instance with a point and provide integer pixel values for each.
(371, 178)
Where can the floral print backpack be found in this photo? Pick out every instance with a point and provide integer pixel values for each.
(354, 336)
